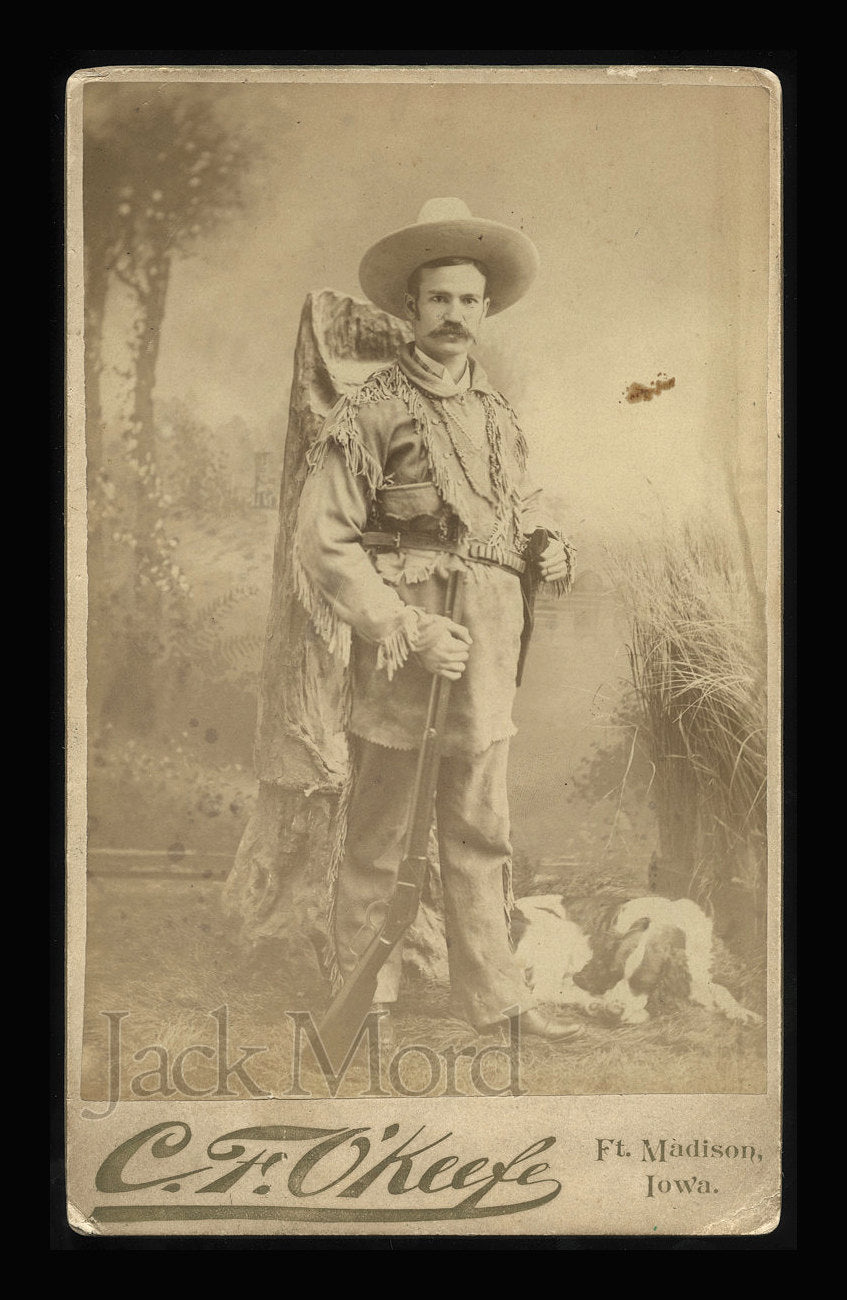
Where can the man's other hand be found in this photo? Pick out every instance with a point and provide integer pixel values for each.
(443, 646)
(553, 562)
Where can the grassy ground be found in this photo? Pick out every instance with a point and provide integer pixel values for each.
(162, 951)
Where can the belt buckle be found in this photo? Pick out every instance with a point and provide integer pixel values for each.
(396, 541)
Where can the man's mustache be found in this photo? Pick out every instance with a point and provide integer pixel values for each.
(457, 332)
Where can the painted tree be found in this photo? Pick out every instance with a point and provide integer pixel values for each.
(161, 169)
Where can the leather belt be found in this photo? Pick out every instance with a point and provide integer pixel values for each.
(480, 552)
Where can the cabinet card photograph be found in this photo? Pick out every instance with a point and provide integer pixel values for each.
(424, 622)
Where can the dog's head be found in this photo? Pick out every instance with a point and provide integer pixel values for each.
(609, 957)
(649, 957)
(663, 970)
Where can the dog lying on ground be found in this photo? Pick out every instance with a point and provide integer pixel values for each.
(612, 962)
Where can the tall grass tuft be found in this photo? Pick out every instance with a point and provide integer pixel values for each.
(697, 652)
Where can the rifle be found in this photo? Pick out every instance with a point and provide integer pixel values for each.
(531, 577)
(347, 1010)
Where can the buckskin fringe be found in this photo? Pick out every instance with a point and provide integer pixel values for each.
(412, 566)
(329, 627)
(392, 651)
(392, 383)
(395, 649)
(508, 504)
(505, 491)
(521, 448)
(438, 463)
(340, 430)
(562, 586)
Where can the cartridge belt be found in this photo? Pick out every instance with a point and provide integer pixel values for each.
(478, 552)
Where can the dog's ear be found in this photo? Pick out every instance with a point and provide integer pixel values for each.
(628, 943)
(663, 972)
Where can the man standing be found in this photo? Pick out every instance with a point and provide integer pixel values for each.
(420, 472)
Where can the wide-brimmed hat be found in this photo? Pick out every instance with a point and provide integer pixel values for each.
(445, 228)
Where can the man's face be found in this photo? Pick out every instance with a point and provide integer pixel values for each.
(449, 310)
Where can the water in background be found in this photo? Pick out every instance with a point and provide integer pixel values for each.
(565, 712)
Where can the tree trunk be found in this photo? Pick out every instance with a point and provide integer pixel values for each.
(131, 697)
(277, 888)
(96, 291)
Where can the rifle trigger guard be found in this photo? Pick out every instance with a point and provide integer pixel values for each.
(375, 918)
(376, 914)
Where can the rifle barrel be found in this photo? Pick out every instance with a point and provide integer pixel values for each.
(347, 1010)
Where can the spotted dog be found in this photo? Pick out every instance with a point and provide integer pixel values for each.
(613, 962)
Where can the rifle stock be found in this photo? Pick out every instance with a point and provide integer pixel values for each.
(346, 1013)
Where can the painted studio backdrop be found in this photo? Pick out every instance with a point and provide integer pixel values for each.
(223, 229)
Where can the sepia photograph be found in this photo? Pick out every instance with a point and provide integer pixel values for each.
(424, 624)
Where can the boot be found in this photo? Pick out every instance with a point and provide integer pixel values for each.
(539, 1025)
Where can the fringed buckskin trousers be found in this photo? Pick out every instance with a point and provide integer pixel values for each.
(475, 853)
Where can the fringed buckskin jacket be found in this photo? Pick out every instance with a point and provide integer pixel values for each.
(412, 451)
